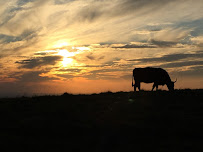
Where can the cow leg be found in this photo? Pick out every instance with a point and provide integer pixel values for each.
(157, 87)
(138, 85)
(135, 87)
(153, 87)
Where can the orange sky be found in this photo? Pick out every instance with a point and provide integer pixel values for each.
(56, 46)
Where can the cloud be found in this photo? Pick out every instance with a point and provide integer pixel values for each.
(195, 26)
(25, 36)
(66, 76)
(151, 44)
(106, 73)
(39, 61)
(164, 43)
(34, 76)
(74, 70)
(103, 9)
(62, 2)
(99, 9)
(194, 71)
(90, 57)
(170, 57)
(130, 46)
(9, 12)
(90, 13)
(23, 2)
(182, 64)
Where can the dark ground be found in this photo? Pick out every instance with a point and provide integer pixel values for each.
(123, 121)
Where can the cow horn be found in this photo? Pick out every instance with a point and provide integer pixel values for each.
(175, 81)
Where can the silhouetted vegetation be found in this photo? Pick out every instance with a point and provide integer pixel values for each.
(122, 121)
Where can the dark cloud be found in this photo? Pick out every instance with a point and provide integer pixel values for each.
(23, 2)
(170, 57)
(11, 11)
(195, 71)
(98, 8)
(135, 46)
(163, 43)
(30, 76)
(70, 70)
(91, 66)
(91, 57)
(195, 26)
(65, 75)
(154, 28)
(44, 53)
(15, 50)
(34, 76)
(136, 6)
(151, 44)
(61, 2)
(41, 53)
(182, 64)
(26, 35)
(39, 61)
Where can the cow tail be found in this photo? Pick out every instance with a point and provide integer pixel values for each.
(132, 81)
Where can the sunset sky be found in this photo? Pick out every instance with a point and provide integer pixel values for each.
(92, 46)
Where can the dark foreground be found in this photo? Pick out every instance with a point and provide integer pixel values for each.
(123, 121)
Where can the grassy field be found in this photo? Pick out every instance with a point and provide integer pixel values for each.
(122, 121)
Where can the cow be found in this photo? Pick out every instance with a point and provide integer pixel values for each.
(158, 76)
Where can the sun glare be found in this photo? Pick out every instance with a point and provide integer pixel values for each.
(66, 61)
(66, 57)
(65, 53)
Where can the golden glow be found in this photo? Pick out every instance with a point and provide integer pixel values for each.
(60, 44)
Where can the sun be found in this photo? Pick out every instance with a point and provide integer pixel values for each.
(67, 60)
(65, 53)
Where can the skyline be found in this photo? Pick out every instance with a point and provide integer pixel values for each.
(92, 46)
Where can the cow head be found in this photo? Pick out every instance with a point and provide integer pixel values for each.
(170, 85)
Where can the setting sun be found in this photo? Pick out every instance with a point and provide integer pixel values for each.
(65, 53)
(66, 57)
(66, 62)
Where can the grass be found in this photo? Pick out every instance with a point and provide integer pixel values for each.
(122, 121)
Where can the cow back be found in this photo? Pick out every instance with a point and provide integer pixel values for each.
(150, 75)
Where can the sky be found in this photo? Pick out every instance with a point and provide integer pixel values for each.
(92, 46)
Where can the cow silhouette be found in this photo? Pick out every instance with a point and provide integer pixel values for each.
(158, 76)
